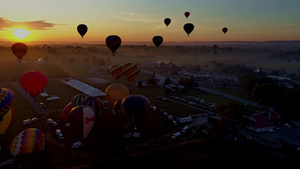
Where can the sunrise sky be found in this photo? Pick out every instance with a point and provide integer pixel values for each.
(140, 20)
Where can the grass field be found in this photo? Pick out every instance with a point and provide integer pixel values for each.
(107, 141)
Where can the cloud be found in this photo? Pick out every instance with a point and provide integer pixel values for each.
(31, 25)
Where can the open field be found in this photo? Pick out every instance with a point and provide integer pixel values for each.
(107, 142)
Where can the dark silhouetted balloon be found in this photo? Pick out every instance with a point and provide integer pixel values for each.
(136, 108)
(82, 119)
(82, 29)
(157, 40)
(167, 21)
(34, 82)
(188, 28)
(186, 14)
(225, 30)
(19, 50)
(113, 42)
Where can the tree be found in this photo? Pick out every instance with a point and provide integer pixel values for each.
(247, 81)
(266, 94)
(167, 81)
(233, 110)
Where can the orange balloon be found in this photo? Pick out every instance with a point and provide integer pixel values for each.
(115, 92)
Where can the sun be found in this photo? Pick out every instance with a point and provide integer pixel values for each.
(21, 33)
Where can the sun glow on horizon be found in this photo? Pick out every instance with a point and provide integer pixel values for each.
(21, 34)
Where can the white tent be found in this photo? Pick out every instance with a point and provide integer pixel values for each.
(85, 88)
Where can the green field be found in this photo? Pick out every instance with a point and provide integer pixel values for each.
(109, 128)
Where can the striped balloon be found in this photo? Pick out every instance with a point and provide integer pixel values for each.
(76, 100)
(130, 71)
(94, 103)
(116, 71)
(6, 100)
(28, 141)
(7, 119)
(136, 108)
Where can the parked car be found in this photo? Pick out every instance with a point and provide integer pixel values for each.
(77, 144)
(49, 120)
(27, 121)
(54, 123)
(59, 134)
(34, 119)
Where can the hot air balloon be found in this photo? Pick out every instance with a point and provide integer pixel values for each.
(130, 71)
(116, 71)
(11, 91)
(19, 50)
(157, 40)
(136, 108)
(5, 102)
(113, 42)
(187, 14)
(28, 141)
(224, 30)
(7, 119)
(118, 109)
(167, 21)
(188, 28)
(115, 92)
(94, 103)
(34, 82)
(65, 114)
(82, 119)
(82, 29)
(76, 100)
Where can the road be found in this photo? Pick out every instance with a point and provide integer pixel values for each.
(245, 101)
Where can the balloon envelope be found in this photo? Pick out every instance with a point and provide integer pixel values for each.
(76, 100)
(157, 40)
(94, 103)
(136, 108)
(65, 114)
(115, 92)
(28, 141)
(19, 50)
(187, 14)
(188, 28)
(7, 119)
(82, 119)
(113, 42)
(130, 71)
(34, 82)
(167, 21)
(82, 29)
(224, 30)
(116, 71)
(5, 101)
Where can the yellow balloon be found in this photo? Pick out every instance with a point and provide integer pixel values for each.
(115, 92)
(7, 118)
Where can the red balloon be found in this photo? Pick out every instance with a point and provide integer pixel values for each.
(19, 50)
(186, 14)
(82, 119)
(34, 82)
(65, 114)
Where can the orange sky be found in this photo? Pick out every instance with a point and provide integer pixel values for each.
(140, 20)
